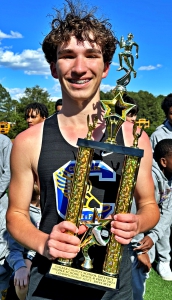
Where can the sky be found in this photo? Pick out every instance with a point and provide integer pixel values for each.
(24, 24)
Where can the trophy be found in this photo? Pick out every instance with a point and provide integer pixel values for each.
(98, 229)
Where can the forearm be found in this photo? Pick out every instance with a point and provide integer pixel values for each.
(148, 217)
(29, 237)
(164, 222)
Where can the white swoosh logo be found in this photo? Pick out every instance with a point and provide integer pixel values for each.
(106, 153)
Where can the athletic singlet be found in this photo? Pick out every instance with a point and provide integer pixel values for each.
(55, 167)
(56, 163)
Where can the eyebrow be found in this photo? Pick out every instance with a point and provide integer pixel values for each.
(68, 51)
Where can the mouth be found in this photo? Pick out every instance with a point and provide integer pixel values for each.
(79, 81)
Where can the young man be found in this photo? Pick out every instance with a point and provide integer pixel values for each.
(164, 131)
(162, 176)
(35, 113)
(5, 174)
(79, 49)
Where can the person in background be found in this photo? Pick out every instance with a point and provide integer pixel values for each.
(164, 131)
(58, 105)
(132, 114)
(143, 251)
(19, 258)
(35, 113)
(5, 271)
(79, 49)
(163, 247)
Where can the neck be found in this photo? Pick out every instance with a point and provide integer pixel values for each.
(76, 112)
(73, 123)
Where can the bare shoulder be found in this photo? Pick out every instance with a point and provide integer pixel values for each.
(27, 145)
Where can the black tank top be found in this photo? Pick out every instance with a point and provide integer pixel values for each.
(58, 157)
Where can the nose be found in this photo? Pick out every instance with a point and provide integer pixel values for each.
(80, 66)
(29, 120)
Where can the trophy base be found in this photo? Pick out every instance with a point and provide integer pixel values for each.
(86, 278)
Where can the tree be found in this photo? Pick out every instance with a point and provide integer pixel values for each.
(36, 94)
(7, 106)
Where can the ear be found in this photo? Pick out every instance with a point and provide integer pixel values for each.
(106, 69)
(53, 70)
(163, 162)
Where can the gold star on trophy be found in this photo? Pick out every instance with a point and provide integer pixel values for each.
(113, 106)
(115, 114)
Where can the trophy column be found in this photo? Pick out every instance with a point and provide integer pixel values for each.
(123, 205)
(79, 185)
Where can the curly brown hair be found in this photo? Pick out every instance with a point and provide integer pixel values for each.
(78, 22)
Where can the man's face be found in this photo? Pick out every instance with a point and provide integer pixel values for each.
(169, 116)
(168, 165)
(79, 68)
(33, 117)
(131, 117)
(58, 108)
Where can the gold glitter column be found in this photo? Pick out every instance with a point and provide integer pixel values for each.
(79, 184)
(123, 205)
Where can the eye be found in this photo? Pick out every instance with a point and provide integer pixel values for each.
(94, 55)
(91, 56)
(66, 56)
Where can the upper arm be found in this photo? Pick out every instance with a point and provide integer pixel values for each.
(144, 191)
(22, 179)
(24, 161)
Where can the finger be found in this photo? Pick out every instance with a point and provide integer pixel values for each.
(144, 250)
(82, 229)
(64, 238)
(62, 246)
(128, 218)
(21, 283)
(53, 254)
(25, 282)
(122, 237)
(57, 249)
(15, 281)
(139, 247)
(66, 226)
(124, 232)
(124, 225)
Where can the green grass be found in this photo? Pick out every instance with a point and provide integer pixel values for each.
(157, 288)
